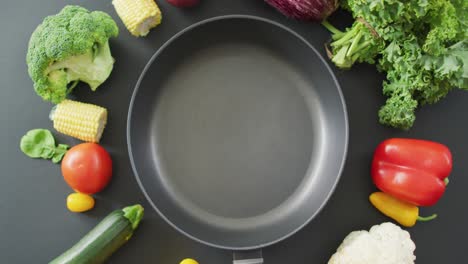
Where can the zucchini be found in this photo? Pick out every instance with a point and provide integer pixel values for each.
(104, 239)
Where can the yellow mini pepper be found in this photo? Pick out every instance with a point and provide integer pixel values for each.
(404, 213)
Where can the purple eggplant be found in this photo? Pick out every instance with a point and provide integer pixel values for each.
(307, 10)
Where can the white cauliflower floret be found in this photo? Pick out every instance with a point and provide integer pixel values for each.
(383, 244)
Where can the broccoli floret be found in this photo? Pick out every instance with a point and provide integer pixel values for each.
(69, 47)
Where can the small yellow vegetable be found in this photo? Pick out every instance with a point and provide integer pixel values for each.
(189, 261)
(79, 120)
(139, 16)
(80, 202)
(404, 213)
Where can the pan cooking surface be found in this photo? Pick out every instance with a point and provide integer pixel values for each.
(237, 139)
(234, 130)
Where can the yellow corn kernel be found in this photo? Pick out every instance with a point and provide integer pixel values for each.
(80, 120)
(139, 16)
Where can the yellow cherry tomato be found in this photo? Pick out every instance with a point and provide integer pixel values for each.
(80, 202)
(189, 261)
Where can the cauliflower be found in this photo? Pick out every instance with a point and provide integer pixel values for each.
(383, 244)
(69, 47)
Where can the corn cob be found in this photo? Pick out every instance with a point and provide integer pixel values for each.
(139, 16)
(79, 120)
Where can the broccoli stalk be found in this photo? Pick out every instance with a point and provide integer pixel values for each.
(92, 67)
(69, 47)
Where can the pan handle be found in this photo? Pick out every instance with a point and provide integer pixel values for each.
(248, 257)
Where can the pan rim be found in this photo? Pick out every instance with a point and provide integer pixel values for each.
(135, 92)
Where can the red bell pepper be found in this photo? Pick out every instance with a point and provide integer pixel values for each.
(412, 170)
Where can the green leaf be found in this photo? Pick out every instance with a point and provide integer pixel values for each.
(40, 143)
(449, 65)
(48, 152)
(58, 157)
(63, 147)
(59, 153)
(37, 143)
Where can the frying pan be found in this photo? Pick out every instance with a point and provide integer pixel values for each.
(237, 133)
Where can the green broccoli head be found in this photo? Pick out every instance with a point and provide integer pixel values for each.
(69, 47)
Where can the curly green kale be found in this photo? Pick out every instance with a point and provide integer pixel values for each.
(398, 110)
(69, 47)
(443, 27)
(446, 43)
(422, 46)
(377, 21)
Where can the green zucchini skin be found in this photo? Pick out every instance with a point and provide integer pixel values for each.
(102, 241)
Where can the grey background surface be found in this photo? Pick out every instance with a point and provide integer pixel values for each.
(35, 225)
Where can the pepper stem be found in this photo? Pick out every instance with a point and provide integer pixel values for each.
(427, 218)
(446, 181)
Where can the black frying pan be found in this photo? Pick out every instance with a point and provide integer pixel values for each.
(237, 132)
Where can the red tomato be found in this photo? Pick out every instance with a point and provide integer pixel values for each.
(87, 168)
